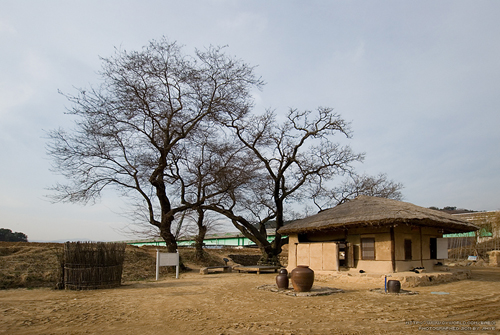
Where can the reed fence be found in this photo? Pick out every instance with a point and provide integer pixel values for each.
(92, 265)
(460, 248)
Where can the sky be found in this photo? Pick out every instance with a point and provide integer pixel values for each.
(416, 79)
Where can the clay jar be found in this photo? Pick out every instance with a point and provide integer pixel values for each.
(393, 286)
(302, 278)
(282, 280)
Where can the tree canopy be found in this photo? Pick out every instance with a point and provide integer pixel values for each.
(6, 235)
(130, 130)
(176, 134)
(293, 156)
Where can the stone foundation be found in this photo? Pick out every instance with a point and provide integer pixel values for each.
(314, 292)
(407, 279)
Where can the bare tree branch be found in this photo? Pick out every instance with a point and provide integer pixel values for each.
(149, 103)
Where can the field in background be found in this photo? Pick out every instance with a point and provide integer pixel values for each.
(29, 265)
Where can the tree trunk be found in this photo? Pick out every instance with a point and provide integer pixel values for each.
(169, 239)
(270, 253)
(202, 231)
(269, 256)
(167, 216)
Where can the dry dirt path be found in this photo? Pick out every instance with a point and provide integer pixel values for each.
(232, 304)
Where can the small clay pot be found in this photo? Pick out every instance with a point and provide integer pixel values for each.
(282, 279)
(302, 278)
(393, 286)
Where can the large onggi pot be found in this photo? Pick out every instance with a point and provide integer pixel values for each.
(393, 286)
(302, 278)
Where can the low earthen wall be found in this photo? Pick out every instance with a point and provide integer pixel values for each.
(407, 279)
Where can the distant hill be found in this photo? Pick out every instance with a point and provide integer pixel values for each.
(453, 210)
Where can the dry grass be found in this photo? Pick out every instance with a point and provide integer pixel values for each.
(30, 265)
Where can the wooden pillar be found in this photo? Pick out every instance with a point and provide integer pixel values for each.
(349, 255)
(421, 247)
(393, 250)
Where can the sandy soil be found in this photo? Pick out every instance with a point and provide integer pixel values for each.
(231, 304)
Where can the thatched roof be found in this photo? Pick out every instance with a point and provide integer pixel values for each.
(365, 211)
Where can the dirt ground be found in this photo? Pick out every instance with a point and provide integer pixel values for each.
(230, 303)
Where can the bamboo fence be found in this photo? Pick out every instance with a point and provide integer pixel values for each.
(92, 265)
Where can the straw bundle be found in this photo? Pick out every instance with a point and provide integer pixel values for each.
(93, 265)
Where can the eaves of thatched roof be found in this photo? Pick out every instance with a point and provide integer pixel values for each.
(365, 211)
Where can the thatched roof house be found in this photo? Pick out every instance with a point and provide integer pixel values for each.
(365, 211)
(373, 234)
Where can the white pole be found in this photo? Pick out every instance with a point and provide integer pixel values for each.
(178, 265)
(157, 264)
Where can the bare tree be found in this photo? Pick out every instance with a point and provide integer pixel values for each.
(293, 155)
(129, 129)
(211, 168)
(199, 223)
(375, 186)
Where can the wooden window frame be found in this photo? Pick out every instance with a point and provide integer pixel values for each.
(368, 248)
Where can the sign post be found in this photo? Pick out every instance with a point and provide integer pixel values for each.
(167, 259)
